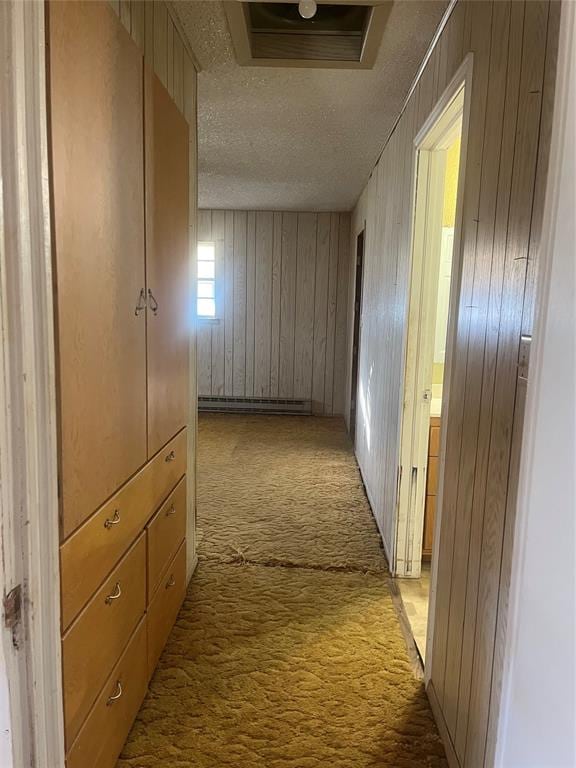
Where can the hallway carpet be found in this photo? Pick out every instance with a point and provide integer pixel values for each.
(288, 651)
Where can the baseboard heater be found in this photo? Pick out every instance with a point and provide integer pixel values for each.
(255, 405)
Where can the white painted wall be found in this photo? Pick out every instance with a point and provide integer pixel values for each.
(537, 726)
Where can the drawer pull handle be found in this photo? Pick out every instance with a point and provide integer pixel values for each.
(171, 511)
(116, 695)
(152, 303)
(114, 520)
(171, 582)
(170, 457)
(115, 595)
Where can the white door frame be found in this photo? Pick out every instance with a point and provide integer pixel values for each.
(436, 133)
(32, 678)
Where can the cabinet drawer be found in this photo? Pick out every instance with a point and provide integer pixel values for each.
(429, 519)
(104, 731)
(94, 549)
(165, 605)
(95, 641)
(432, 476)
(166, 532)
(434, 442)
(166, 468)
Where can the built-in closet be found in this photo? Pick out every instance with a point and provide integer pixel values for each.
(119, 148)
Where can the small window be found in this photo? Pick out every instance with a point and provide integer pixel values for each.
(206, 301)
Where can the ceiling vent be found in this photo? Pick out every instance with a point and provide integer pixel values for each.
(274, 34)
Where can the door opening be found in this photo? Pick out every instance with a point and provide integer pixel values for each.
(438, 178)
(356, 333)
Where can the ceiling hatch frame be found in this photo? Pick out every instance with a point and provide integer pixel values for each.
(237, 13)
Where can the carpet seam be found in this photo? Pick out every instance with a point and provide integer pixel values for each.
(241, 559)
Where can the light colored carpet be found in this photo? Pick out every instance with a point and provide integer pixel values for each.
(277, 660)
(283, 489)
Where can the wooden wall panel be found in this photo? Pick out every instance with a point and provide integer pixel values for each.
(156, 30)
(250, 301)
(304, 326)
(320, 309)
(217, 331)
(204, 334)
(288, 303)
(331, 311)
(284, 284)
(341, 329)
(511, 99)
(239, 314)
(263, 303)
(276, 283)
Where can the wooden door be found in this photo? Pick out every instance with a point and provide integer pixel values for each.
(356, 333)
(168, 268)
(96, 95)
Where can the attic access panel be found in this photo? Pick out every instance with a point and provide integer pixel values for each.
(340, 35)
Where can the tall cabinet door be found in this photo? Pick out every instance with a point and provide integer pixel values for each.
(96, 98)
(169, 315)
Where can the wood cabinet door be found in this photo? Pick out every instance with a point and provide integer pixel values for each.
(96, 126)
(169, 314)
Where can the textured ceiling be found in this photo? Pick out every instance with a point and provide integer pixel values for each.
(297, 139)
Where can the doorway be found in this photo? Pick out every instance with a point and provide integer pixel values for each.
(438, 179)
(356, 332)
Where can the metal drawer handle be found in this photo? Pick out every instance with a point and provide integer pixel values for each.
(170, 457)
(116, 696)
(141, 302)
(171, 582)
(171, 511)
(152, 303)
(114, 520)
(116, 594)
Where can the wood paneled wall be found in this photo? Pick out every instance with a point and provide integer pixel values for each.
(513, 45)
(155, 29)
(157, 32)
(283, 284)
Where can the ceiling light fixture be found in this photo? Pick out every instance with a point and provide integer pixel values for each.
(307, 9)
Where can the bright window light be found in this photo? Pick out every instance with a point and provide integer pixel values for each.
(206, 301)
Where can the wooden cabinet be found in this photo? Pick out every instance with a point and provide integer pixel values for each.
(96, 103)
(168, 264)
(92, 551)
(96, 639)
(165, 532)
(103, 734)
(120, 179)
(164, 606)
(431, 486)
